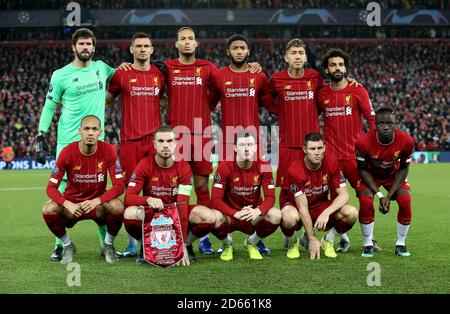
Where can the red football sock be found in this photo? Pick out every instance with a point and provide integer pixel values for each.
(221, 232)
(114, 223)
(366, 211)
(202, 229)
(404, 214)
(265, 228)
(203, 197)
(133, 227)
(342, 226)
(288, 232)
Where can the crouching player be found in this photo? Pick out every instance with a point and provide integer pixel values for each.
(163, 181)
(87, 164)
(310, 180)
(383, 157)
(236, 198)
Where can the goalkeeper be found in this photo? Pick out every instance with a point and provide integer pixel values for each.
(81, 88)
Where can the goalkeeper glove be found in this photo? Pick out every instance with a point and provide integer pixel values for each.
(41, 147)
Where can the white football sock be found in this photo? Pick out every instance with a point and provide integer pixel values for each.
(65, 239)
(331, 234)
(204, 237)
(367, 233)
(344, 237)
(109, 239)
(252, 239)
(402, 231)
(190, 238)
(132, 241)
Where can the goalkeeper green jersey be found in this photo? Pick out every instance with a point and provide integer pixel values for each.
(82, 92)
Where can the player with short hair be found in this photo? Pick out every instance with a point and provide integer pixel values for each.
(187, 90)
(80, 87)
(343, 106)
(310, 180)
(236, 198)
(240, 93)
(383, 157)
(295, 91)
(140, 92)
(86, 163)
(163, 180)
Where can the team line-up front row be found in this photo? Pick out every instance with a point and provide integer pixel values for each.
(314, 196)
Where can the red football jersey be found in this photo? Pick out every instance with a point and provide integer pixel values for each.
(235, 187)
(140, 96)
(296, 105)
(315, 184)
(188, 89)
(240, 94)
(383, 160)
(156, 181)
(342, 116)
(86, 175)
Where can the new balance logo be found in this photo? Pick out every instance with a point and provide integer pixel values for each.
(75, 79)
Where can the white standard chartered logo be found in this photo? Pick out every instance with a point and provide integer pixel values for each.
(198, 81)
(348, 111)
(156, 91)
(101, 177)
(252, 92)
(310, 94)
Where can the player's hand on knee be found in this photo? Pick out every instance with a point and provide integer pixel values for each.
(41, 148)
(73, 208)
(241, 213)
(89, 205)
(321, 222)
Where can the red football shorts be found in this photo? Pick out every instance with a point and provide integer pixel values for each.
(197, 152)
(134, 151)
(286, 157)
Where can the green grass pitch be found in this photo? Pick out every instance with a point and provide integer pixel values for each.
(26, 244)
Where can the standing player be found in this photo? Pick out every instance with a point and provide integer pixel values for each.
(383, 158)
(140, 95)
(188, 111)
(163, 180)
(188, 82)
(236, 198)
(80, 87)
(295, 92)
(310, 180)
(240, 93)
(343, 107)
(86, 163)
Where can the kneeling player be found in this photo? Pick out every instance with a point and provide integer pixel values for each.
(310, 180)
(86, 163)
(163, 181)
(236, 198)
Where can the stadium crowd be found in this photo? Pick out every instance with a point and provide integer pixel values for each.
(271, 31)
(231, 4)
(409, 77)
